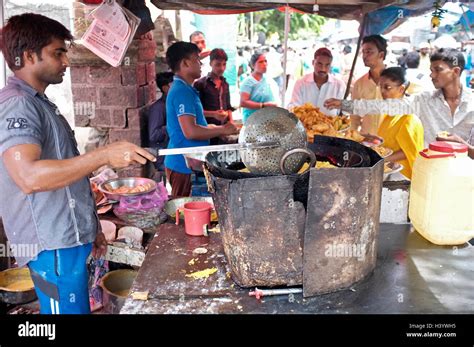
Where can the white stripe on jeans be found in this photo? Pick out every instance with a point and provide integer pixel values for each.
(51, 300)
(57, 307)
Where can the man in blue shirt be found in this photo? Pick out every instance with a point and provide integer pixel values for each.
(46, 202)
(186, 124)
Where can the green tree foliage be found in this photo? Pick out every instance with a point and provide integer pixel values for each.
(301, 25)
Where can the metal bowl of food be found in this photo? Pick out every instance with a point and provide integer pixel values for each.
(16, 286)
(390, 167)
(116, 188)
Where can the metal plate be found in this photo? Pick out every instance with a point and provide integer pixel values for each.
(130, 182)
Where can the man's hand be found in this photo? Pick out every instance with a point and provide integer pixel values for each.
(229, 129)
(451, 138)
(99, 247)
(123, 154)
(221, 115)
(204, 54)
(332, 104)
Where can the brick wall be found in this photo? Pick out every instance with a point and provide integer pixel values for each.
(111, 98)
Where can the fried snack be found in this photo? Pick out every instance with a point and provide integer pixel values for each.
(443, 134)
(324, 165)
(354, 135)
(130, 190)
(317, 123)
(383, 151)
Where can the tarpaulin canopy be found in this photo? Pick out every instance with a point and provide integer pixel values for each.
(340, 9)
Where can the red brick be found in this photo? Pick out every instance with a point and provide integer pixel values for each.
(136, 118)
(105, 75)
(81, 120)
(119, 118)
(142, 94)
(79, 74)
(129, 76)
(150, 72)
(141, 74)
(129, 135)
(133, 118)
(84, 94)
(146, 51)
(102, 118)
(146, 55)
(118, 96)
(144, 44)
(83, 110)
(152, 92)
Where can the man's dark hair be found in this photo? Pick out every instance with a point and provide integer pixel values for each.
(178, 51)
(378, 41)
(450, 56)
(163, 78)
(323, 52)
(218, 54)
(29, 32)
(195, 33)
(412, 60)
(395, 74)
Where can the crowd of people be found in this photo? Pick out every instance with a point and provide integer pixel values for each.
(407, 105)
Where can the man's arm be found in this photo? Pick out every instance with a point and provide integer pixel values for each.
(458, 139)
(193, 131)
(377, 107)
(220, 115)
(32, 174)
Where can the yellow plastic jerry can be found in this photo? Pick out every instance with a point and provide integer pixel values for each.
(442, 194)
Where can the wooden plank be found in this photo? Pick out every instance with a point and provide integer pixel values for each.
(170, 258)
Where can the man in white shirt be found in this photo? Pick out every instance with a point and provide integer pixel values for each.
(319, 85)
(199, 40)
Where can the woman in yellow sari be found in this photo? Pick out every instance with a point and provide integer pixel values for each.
(402, 133)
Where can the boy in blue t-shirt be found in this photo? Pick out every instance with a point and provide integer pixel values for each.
(186, 124)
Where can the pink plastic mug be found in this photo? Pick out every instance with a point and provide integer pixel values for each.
(197, 217)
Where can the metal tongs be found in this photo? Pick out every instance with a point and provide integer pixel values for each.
(203, 150)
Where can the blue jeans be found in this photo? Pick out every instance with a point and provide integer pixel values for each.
(61, 280)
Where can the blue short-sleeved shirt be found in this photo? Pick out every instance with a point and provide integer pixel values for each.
(61, 218)
(182, 99)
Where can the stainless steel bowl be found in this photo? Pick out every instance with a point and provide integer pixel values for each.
(172, 205)
(131, 182)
